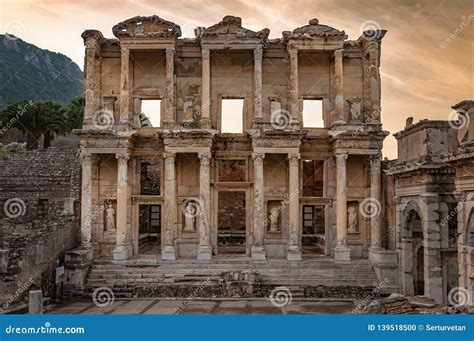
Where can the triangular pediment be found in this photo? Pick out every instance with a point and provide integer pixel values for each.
(230, 29)
(147, 27)
(314, 30)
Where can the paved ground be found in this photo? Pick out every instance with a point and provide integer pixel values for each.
(170, 306)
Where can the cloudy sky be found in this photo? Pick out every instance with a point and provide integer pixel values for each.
(427, 54)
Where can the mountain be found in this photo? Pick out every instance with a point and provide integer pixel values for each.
(28, 72)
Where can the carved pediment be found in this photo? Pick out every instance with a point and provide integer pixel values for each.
(147, 27)
(230, 29)
(313, 29)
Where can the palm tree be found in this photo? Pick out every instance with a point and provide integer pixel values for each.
(38, 119)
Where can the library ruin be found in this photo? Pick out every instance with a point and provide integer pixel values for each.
(235, 157)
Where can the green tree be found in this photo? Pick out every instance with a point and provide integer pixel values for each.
(47, 119)
(75, 113)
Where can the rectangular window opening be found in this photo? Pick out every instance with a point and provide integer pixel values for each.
(313, 113)
(313, 178)
(150, 114)
(232, 116)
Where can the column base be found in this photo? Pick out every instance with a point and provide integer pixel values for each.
(168, 253)
(338, 123)
(342, 253)
(122, 252)
(204, 253)
(258, 253)
(294, 255)
(373, 252)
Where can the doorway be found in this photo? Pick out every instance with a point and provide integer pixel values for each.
(149, 229)
(231, 222)
(313, 236)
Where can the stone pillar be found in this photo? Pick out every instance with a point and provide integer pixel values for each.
(294, 93)
(375, 194)
(35, 302)
(87, 161)
(257, 101)
(338, 77)
(125, 85)
(258, 249)
(204, 250)
(294, 250)
(206, 90)
(170, 211)
(169, 117)
(90, 83)
(122, 250)
(341, 251)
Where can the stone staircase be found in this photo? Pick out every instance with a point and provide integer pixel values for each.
(147, 276)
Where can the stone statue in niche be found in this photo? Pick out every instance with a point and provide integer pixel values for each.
(110, 217)
(188, 108)
(274, 219)
(352, 219)
(190, 217)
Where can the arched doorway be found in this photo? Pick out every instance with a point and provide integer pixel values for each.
(413, 253)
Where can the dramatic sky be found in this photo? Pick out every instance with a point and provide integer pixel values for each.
(423, 74)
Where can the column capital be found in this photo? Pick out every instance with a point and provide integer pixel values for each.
(125, 51)
(341, 159)
(170, 51)
(169, 155)
(122, 156)
(205, 156)
(293, 51)
(294, 158)
(339, 53)
(375, 160)
(258, 157)
(87, 157)
(206, 53)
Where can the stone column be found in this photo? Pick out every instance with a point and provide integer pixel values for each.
(376, 194)
(258, 249)
(87, 161)
(257, 101)
(125, 85)
(169, 209)
(90, 80)
(294, 250)
(374, 79)
(338, 77)
(294, 93)
(122, 250)
(169, 117)
(341, 251)
(204, 250)
(206, 90)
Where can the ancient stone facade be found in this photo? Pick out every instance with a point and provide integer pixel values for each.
(263, 167)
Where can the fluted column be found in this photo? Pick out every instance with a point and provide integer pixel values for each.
(341, 251)
(294, 93)
(206, 90)
(87, 161)
(169, 209)
(258, 249)
(124, 85)
(294, 250)
(122, 251)
(90, 83)
(257, 104)
(204, 250)
(375, 194)
(169, 118)
(339, 84)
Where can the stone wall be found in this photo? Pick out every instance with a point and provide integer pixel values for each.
(39, 219)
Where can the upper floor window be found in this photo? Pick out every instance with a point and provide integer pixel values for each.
(150, 113)
(232, 116)
(313, 113)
